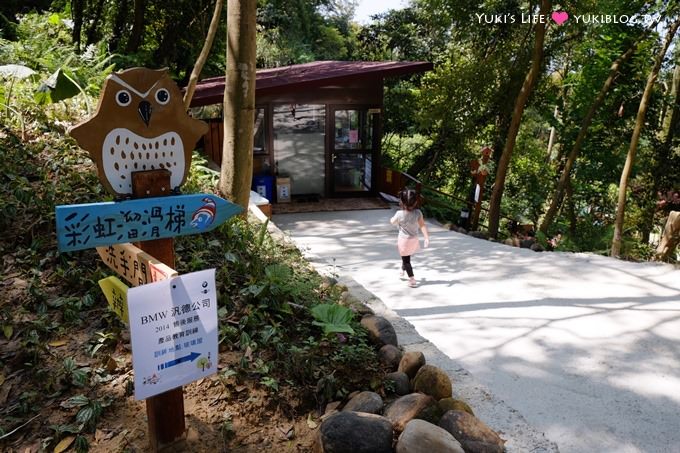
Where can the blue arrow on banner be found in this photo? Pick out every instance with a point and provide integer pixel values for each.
(187, 358)
(83, 226)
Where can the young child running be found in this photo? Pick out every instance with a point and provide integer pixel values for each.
(410, 220)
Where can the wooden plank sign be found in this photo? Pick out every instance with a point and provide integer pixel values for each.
(115, 292)
(134, 265)
(92, 225)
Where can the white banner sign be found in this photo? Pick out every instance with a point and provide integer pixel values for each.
(173, 325)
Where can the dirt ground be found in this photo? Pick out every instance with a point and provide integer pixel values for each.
(219, 418)
(222, 413)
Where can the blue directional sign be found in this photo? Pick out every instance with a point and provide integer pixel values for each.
(187, 358)
(83, 226)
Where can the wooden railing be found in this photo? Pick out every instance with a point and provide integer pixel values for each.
(392, 181)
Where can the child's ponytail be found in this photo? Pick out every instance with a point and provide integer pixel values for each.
(408, 199)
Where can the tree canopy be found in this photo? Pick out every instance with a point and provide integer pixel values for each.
(576, 125)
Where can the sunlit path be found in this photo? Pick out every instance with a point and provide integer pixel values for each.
(586, 348)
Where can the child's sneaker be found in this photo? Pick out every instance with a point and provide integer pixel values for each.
(412, 282)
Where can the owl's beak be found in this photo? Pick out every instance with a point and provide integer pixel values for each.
(144, 110)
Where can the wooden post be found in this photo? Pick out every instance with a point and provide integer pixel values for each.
(480, 170)
(474, 216)
(165, 412)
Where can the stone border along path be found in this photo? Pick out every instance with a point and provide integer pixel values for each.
(506, 421)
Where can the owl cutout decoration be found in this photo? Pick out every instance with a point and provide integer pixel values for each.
(140, 124)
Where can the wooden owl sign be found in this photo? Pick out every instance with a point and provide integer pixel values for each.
(140, 124)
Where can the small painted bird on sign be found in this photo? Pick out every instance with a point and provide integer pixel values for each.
(140, 124)
(92, 225)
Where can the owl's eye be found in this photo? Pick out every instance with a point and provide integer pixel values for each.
(162, 96)
(123, 98)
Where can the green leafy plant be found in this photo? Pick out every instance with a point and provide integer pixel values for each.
(271, 383)
(332, 318)
(227, 427)
(89, 410)
(57, 87)
(101, 340)
(76, 375)
(81, 444)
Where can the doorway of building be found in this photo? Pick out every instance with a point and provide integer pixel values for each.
(299, 136)
(352, 150)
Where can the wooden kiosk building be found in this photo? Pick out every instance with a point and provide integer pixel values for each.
(317, 123)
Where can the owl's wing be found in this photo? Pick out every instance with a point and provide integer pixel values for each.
(191, 131)
(197, 129)
(90, 136)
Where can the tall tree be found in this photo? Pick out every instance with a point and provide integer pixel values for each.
(200, 62)
(137, 33)
(520, 103)
(77, 14)
(93, 34)
(119, 23)
(663, 159)
(576, 148)
(239, 102)
(673, 113)
(632, 150)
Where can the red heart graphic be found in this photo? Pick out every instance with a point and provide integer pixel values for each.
(560, 17)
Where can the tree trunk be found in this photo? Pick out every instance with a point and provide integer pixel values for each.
(576, 148)
(200, 62)
(632, 150)
(94, 26)
(670, 123)
(239, 102)
(571, 209)
(119, 25)
(77, 12)
(551, 139)
(520, 103)
(671, 119)
(670, 237)
(137, 28)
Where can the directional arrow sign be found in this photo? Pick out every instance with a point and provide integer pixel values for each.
(135, 265)
(187, 358)
(115, 292)
(91, 225)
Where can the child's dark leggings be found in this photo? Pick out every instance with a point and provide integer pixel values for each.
(406, 265)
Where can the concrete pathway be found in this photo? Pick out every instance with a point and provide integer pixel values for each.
(586, 348)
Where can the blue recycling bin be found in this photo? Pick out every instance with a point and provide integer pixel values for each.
(264, 186)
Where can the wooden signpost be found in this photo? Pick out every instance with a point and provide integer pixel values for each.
(141, 140)
(480, 169)
(164, 412)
